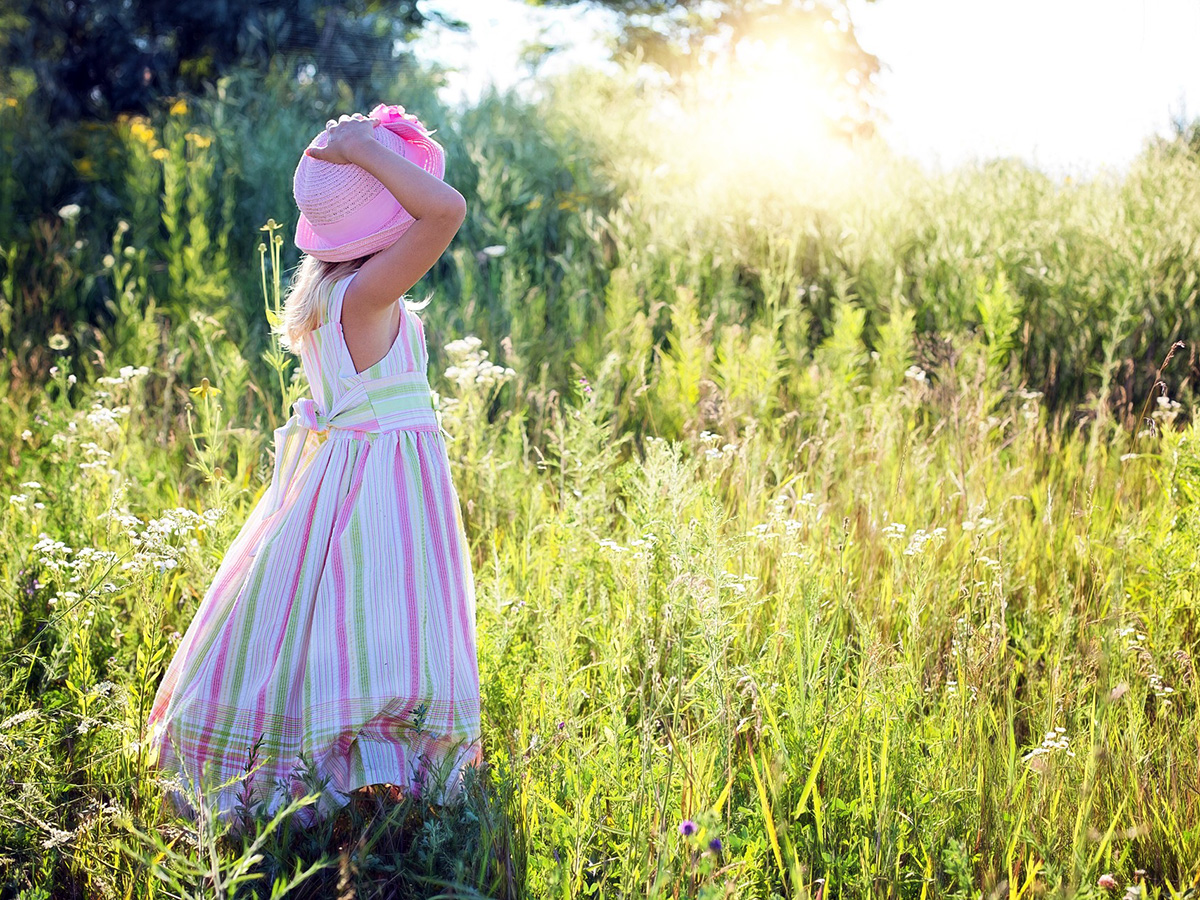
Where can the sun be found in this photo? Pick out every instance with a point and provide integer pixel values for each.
(760, 114)
(778, 92)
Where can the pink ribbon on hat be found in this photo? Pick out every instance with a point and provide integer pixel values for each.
(388, 114)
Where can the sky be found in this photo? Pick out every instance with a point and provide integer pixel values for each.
(1074, 87)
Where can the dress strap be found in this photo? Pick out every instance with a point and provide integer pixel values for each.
(333, 311)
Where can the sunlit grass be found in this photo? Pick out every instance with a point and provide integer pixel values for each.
(798, 585)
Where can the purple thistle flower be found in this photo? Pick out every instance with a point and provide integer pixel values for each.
(715, 845)
(687, 827)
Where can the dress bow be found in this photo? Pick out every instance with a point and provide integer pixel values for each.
(295, 442)
(309, 415)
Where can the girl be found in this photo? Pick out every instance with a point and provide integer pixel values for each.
(339, 632)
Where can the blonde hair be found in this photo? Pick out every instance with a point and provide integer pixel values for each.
(306, 295)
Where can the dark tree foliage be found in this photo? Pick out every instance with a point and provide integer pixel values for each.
(685, 34)
(94, 59)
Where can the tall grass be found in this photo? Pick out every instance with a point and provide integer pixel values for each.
(798, 572)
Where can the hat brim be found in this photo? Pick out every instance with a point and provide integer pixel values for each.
(418, 148)
(308, 241)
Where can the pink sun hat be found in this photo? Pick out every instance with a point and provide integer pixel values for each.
(345, 211)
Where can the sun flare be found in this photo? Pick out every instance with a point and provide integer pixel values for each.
(760, 113)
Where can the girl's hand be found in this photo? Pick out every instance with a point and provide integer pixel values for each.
(346, 136)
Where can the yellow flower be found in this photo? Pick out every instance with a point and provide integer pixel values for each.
(143, 133)
(161, 153)
(205, 389)
(85, 166)
(200, 140)
(179, 107)
(10, 101)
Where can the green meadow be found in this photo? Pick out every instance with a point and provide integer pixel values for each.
(834, 535)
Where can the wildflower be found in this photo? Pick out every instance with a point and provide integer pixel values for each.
(205, 389)
(687, 827)
(17, 718)
(70, 212)
(109, 260)
(920, 538)
(1165, 402)
(57, 838)
(161, 153)
(471, 365)
(1055, 739)
(198, 139)
(715, 845)
(1107, 882)
(494, 250)
(1156, 685)
(916, 373)
(143, 133)
(179, 107)
(561, 725)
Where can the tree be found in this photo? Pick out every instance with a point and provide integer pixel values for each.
(94, 59)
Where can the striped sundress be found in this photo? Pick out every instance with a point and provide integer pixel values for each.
(341, 621)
